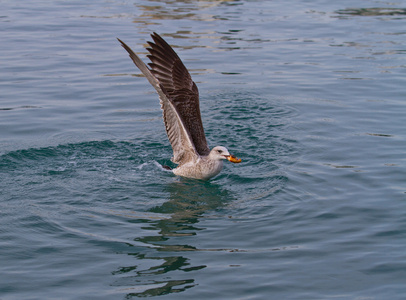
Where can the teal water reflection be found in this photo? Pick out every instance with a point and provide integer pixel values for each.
(189, 200)
(311, 96)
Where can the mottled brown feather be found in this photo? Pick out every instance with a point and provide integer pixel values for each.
(179, 98)
(171, 73)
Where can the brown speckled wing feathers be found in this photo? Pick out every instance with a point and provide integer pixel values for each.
(171, 73)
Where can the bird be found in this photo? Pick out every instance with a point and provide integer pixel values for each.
(179, 99)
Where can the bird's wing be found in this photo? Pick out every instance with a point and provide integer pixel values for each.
(172, 74)
(179, 135)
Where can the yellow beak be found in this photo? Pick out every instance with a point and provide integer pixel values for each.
(233, 159)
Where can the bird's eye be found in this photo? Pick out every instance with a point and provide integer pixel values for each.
(219, 151)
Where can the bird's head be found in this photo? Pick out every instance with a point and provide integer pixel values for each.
(220, 152)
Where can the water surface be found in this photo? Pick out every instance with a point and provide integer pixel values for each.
(310, 95)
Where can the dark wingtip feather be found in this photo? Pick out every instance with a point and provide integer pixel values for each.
(124, 45)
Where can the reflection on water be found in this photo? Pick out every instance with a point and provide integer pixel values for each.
(177, 10)
(374, 11)
(193, 10)
(188, 201)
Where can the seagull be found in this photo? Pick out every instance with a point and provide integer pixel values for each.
(179, 99)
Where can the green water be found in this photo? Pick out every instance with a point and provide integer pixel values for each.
(311, 96)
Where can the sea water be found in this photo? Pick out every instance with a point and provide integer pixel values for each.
(309, 94)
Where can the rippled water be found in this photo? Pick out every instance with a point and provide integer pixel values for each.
(311, 95)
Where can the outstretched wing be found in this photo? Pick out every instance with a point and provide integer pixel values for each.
(179, 136)
(171, 73)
